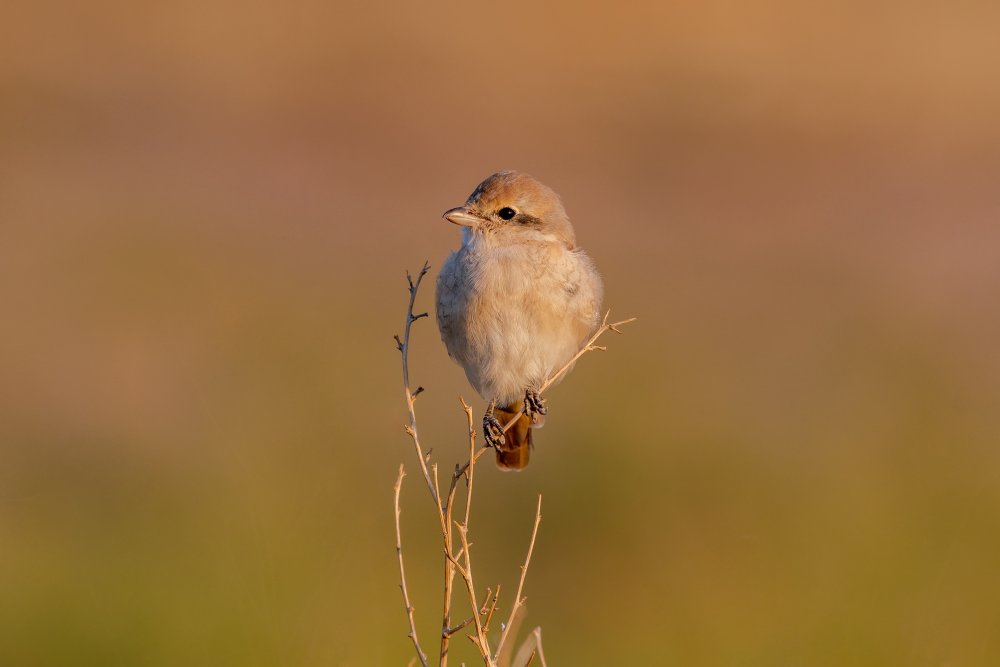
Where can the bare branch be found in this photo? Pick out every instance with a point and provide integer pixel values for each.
(460, 560)
(529, 650)
(472, 457)
(450, 563)
(538, 643)
(518, 600)
(443, 509)
(489, 612)
(486, 600)
(587, 347)
(465, 571)
(402, 571)
(410, 396)
(452, 631)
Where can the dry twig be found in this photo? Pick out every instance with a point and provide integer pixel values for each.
(530, 649)
(518, 600)
(460, 561)
(589, 346)
(402, 572)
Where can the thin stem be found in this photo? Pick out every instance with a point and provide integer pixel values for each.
(443, 511)
(589, 346)
(466, 571)
(538, 645)
(472, 457)
(461, 561)
(518, 600)
(488, 609)
(411, 396)
(458, 627)
(402, 572)
(449, 579)
(449, 572)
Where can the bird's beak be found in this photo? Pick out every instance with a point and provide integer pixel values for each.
(462, 216)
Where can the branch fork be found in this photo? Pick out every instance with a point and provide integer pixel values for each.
(458, 557)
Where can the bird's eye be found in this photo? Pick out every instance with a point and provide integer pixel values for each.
(506, 213)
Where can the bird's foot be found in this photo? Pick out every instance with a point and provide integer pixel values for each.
(492, 428)
(534, 405)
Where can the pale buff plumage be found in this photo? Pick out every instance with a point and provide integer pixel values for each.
(518, 299)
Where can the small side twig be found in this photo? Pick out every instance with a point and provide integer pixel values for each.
(472, 454)
(402, 572)
(538, 645)
(589, 346)
(411, 396)
(458, 557)
(488, 612)
(518, 600)
(465, 571)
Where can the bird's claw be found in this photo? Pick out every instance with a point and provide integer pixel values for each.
(492, 430)
(534, 404)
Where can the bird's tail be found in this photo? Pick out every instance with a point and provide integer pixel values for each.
(513, 453)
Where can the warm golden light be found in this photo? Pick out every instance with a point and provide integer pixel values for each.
(206, 212)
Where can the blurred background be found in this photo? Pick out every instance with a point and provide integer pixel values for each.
(206, 215)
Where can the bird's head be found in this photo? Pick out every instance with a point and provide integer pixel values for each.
(510, 206)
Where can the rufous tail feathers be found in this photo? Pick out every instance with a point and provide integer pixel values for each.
(513, 453)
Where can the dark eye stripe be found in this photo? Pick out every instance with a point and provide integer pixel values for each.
(525, 219)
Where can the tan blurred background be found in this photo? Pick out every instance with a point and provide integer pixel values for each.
(206, 212)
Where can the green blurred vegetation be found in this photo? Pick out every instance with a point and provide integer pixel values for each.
(206, 212)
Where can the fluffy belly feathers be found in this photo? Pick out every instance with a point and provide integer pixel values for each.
(513, 316)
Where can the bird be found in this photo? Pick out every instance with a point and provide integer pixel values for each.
(515, 303)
